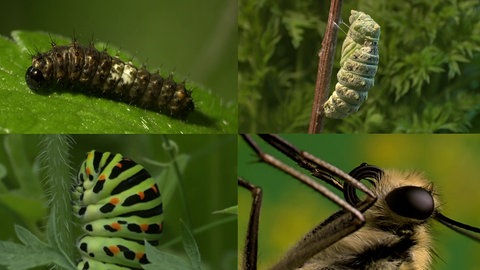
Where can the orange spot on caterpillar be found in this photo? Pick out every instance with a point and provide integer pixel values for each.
(144, 227)
(101, 177)
(141, 194)
(139, 255)
(116, 226)
(114, 249)
(114, 200)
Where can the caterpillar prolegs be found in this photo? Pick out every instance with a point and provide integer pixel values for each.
(87, 70)
(358, 66)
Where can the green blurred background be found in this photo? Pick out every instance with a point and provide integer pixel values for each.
(197, 39)
(207, 186)
(290, 209)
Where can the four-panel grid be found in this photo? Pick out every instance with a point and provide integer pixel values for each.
(240, 135)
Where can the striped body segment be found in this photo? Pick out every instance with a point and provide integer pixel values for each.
(119, 205)
(85, 69)
(358, 66)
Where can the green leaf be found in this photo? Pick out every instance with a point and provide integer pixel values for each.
(28, 238)
(34, 253)
(160, 260)
(296, 23)
(232, 210)
(190, 246)
(61, 112)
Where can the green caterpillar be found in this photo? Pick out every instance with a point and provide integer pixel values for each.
(358, 66)
(119, 205)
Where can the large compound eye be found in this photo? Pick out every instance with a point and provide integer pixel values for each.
(34, 78)
(411, 202)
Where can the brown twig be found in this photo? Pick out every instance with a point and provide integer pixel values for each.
(325, 66)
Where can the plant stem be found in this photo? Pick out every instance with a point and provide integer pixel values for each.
(325, 65)
(172, 151)
(55, 160)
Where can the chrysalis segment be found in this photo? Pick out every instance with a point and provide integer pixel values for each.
(358, 66)
(87, 70)
(120, 207)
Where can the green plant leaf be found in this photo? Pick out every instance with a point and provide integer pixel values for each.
(160, 260)
(34, 253)
(28, 238)
(24, 111)
(190, 246)
(232, 210)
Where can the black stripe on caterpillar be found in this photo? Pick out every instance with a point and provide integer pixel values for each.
(358, 66)
(87, 70)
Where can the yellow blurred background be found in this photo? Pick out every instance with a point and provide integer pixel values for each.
(290, 209)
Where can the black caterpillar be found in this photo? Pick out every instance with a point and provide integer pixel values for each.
(87, 70)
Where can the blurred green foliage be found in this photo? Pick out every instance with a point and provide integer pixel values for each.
(427, 79)
(205, 189)
(290, 209)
